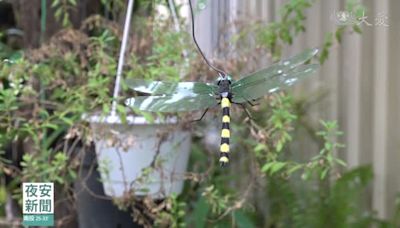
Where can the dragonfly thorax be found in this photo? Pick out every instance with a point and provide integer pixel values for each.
(224, 87)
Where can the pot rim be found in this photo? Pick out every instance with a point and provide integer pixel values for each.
(130, 119)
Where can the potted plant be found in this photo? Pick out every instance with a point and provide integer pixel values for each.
(141, 154)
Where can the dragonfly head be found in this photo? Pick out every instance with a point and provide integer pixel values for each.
(224, 78)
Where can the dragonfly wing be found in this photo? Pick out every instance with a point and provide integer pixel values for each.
(264, 86)
(179, 102)
(167, 88)
(278, 68)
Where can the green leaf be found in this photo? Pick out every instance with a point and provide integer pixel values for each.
(50, 125)
(242, 220)
(122, 112)
(340, 162)
(147, 116)
(260, 147)
(339, 33)
(294, 168)
(65, 21)
(328, 146)
(72, 173)
(279, 146)
(67, 120)
(324, 173)
(273, 167)
(266, 167)
(72, 2)
(55, 3)
(357, 29)
(58, 13)
(277, 166)
(201, 5)
(325, 49)
(200, 213)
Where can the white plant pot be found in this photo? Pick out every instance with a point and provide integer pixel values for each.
(150, 159)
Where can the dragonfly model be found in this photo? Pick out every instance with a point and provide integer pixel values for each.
(192, 96)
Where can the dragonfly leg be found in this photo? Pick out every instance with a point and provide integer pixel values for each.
(252, 104)
(204, 113)
(247, 111)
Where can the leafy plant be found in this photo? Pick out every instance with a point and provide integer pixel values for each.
(57, 171)
(298, 205)
(174, 214)
(62, 10)
(325, 160)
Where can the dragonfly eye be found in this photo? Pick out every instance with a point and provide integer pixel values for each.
(224, 78)
(220, 79)
(229, 78)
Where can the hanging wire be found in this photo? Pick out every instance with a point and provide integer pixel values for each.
(220, 72)
(121, 59)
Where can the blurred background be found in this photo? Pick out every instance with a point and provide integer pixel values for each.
(324, 153)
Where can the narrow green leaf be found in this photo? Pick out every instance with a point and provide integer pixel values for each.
(266, 167)
(340, 162)
(260, 147)
(200, 213)
(324, 173)
(277, 167)
(294, 168)
(242, 220)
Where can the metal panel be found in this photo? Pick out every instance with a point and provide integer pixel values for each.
(360, 77)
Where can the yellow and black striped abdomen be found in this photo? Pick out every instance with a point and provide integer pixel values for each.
(225, 132)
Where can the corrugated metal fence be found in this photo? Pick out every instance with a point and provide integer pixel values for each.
(361, 77)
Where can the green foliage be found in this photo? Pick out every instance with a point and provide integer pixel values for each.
(275, 35)
(56, 171)
(325, 161)
(114, 7)
(308, 205)
(47, 119)
(174, 215)
(320, 164)
(242, 220)
(218, 202)
(62, 11)
(7, 53)
(272, 37)
(275, 128)
(200, 212)
(165, 61)
(357, 9)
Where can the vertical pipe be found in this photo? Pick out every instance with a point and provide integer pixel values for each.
(171, 5)
(380, 127)
(177, 27)
(43, 20)
(42, 91)
(350, 96)
(121, 57)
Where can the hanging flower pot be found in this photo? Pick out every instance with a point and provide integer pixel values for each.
(146, 158)
(138, 156)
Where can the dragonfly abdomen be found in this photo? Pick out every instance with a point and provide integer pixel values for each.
(225, 132)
